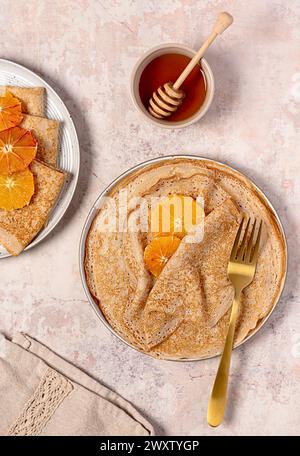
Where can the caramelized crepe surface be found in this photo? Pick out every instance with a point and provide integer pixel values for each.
(184, 313)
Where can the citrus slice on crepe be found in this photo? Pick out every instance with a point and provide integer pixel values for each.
(10, 111)
(17, 149)
(176, 214)
(16, 190)
(159, 251)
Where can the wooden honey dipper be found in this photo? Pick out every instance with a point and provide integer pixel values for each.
(167, 98)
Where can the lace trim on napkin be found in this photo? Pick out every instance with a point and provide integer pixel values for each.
(51, 391)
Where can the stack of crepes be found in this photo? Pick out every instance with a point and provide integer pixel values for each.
(184, 312)
(19, 225)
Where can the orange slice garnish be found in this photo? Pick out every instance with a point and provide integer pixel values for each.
(17, 149)
(10, 111)
(158, 252)
(176, 214)
(16, 190)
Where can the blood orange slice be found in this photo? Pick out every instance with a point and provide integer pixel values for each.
(17, 149)
(10, 111)
(16, 190)
(159, 251)
(177, 215)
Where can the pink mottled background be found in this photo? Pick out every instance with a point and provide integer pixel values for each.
(86, 50)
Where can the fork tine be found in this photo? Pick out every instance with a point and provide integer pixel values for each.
(249, 244)
(243, 244)
(237, 240)
(256, 246)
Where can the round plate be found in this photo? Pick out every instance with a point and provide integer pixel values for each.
(68, 156)
(97, 205)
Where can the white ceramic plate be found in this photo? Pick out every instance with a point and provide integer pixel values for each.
(69, 155)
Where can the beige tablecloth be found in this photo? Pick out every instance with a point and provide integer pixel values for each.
(42, 394)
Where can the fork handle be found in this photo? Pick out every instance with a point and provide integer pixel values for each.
(217, 402)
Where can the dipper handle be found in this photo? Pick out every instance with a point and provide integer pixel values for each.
(223, 22)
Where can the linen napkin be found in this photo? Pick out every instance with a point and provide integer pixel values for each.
(42, 394)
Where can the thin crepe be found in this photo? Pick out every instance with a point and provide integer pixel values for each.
(20, 226)
(46, 132)
(32, 98)
(194, 287)
(125, 299)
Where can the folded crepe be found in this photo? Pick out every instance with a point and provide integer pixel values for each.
(20, 226)
(145, 311)
(199, 184)
(46, 132)
(192, 286)
(32, 98)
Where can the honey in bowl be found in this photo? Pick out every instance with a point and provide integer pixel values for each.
(168, 67)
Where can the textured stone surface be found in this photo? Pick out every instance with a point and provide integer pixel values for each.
(86, 50)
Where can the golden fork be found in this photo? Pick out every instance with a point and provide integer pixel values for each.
(241, 270)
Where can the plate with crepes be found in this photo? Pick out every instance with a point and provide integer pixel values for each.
(39, 158)
(164, 289)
